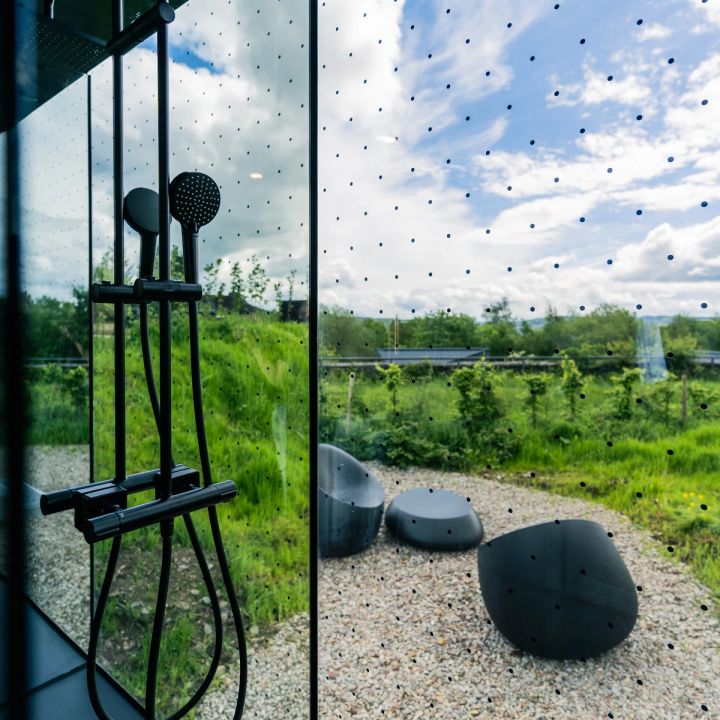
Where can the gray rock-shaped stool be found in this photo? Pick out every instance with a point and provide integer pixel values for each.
(434, 519)
(350, 503)
(559, 589)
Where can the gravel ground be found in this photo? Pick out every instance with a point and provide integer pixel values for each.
(58, 557)
(404, 633)
(278, 678)
(59, 582)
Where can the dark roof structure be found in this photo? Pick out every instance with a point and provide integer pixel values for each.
(436, 356)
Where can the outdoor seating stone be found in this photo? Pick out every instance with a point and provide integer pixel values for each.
(558, 589)
(351, 501)
(434, 519)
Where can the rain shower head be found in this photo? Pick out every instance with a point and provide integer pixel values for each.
(141, 210)
(194, 199)
(194, 202)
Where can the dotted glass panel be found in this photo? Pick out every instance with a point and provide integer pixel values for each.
(54, 264)
(238, 97)
(519, 326)
(3, 384)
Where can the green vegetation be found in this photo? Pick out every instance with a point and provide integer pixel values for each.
(59, 400)
(607, 332)
(254, 372)
(589, 428)
(651, 451)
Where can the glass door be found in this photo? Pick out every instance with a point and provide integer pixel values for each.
(518, 469)
(239, 114)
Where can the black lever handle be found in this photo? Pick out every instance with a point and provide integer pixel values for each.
(153, 512)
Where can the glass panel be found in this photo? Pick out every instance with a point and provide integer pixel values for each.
(518, 235)
(3, 461)
(54, 227)
(238, 89)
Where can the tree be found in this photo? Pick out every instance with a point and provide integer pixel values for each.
(537, 388)
(556, 333)
(291, 285)
(624, 390)
(478, 404)
(344, 334)
(257, 281)
(177, 264)
(662, 393)
(439, 329)
(392, 379)
(277, 290)
(213, 289)
(499, 333)
(571, 384)
(680, 351)
(57, 328)
(237, 287)
(608, 328)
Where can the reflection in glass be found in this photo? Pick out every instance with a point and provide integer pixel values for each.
(518, 306)
(238, 114)
(54, 221)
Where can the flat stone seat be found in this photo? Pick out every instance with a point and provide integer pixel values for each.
(434, 519)
(351, 501)
(559, 589)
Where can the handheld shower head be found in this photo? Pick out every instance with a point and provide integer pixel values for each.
(194, 202)
(141, 210)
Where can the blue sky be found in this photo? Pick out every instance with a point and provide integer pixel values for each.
(398, 232)
(662, 69)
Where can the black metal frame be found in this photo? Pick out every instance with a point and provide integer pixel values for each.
(313, 355)
(14, 432)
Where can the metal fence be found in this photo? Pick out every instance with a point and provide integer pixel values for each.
(520, 362)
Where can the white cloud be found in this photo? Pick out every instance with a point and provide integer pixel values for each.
(695, 251)
(631, 89)
(710, 11)
(654, 31)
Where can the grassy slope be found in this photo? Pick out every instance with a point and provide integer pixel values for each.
(252, 368)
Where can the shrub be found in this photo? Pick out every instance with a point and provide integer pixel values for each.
(392, 379)
(418, 372)
(478, 405)
(571, 384)
(623, 391)
(537, 386)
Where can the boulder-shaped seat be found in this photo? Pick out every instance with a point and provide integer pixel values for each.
(559, 589)
(350, 503)
(434, 519)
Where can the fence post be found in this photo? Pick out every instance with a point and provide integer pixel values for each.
(348, 415)
(683, 400)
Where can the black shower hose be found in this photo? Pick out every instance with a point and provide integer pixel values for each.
(166, 529)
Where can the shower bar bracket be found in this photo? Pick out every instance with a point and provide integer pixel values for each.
(140, 29)
(145, 291)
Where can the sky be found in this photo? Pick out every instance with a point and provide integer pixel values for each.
(470, 151)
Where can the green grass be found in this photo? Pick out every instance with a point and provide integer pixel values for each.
(54, 418)
(676, 496)
(255, 376)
